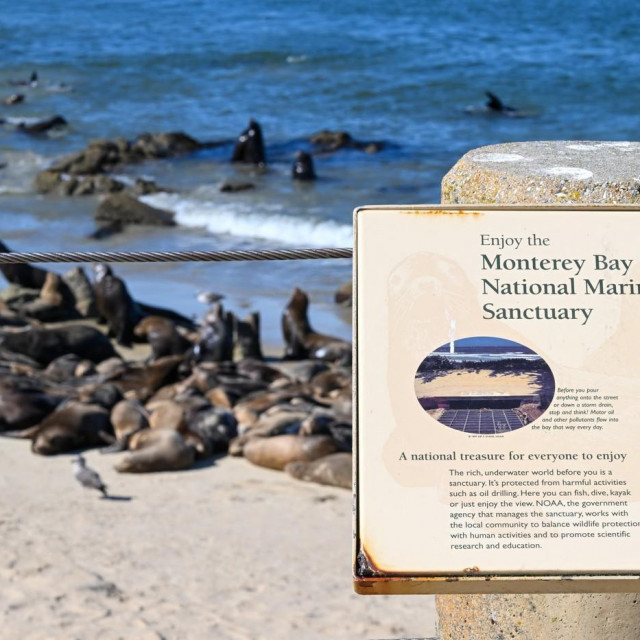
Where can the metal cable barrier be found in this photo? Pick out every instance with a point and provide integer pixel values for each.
(176, 256)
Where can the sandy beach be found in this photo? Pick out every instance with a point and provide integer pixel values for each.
(225, 551)
(481, 382)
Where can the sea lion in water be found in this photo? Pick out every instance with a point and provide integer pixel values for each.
(115, 304)
(301, 341)
(162, 335)
(70, 427)
(31, 82)
(157, 450)
(278, 451)
(334, 469)
(23, 275)
(250, 146)
(15, 98)
(42, 126)
(303, 167)
(45, 345)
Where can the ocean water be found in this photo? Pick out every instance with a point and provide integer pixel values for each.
(401, 72)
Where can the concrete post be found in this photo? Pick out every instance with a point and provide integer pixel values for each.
(544, 173)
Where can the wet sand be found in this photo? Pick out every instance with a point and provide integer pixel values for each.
(227, 551)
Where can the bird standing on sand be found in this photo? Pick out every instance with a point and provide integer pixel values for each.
(87, 477)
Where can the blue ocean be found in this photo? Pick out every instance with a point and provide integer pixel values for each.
(410, 74)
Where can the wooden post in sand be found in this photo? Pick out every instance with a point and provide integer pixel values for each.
(543, 173)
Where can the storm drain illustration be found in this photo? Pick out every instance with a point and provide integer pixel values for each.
(484, 385)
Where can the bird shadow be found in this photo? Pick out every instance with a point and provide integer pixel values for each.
(118, 498)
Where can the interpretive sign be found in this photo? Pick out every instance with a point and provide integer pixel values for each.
(497, 399)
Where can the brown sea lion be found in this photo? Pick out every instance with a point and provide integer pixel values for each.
(157, 450)
(70, 427)
(276, 452)
(21, 408)
(127, 418)
(250, 146)
(45, 345)
(247, 337)
(23, 275)
(301, 341)
(162, 335)
(141, 380)
(115, 304)
(334, 469)
(55, 301)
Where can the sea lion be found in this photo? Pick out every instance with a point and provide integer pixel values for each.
(157, 450)
(162, 335)
(45, 345)
(216, 337)
(42, 126)
(70, 427)
(31, 82)
(303, 167)
(55, 302)
(21, 408)
(278, 451)
(301, 341)
(250, 146)
(141, 381)
(14, 98)
(62, 368)
(23, 275)
(247, 337)
(495, 106)
(127, 418)
(334, 469)
(115, 304)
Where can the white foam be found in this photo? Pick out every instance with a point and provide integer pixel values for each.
(20, 170)
(296, 59)
(570, 172)
(243, 220)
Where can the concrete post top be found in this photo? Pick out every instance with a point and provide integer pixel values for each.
(546, 172)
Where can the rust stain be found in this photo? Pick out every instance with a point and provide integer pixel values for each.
(444, 212)
(366, 566)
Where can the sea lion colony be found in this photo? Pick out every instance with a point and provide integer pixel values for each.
(205, 390)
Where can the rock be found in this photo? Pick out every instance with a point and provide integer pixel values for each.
(329, 141)
(127, 210)
(163, 145)
(233, 187)
(107, 230)
(83, 172)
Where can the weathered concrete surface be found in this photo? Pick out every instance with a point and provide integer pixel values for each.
(543, 173)
(555, 172)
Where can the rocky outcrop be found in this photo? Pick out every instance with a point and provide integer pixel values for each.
(85, 172)
(125, 209)
(329, 141)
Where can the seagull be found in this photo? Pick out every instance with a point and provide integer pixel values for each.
(87, 477)
(209, 297)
